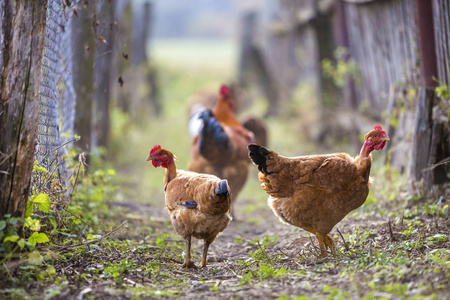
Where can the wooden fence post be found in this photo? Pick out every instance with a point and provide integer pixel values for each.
(431, 134)
(431, 145)
(22, 29)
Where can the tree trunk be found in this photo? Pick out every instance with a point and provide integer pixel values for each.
(23, 36)
(122, 53)
(252, 65)
(103, 66)
(84, 47)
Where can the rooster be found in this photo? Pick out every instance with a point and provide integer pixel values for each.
(198, 204)
(316, 192)
(220, 147)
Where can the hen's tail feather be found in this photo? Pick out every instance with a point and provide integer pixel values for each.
(258, 154)
(212, 131)
(223, 188)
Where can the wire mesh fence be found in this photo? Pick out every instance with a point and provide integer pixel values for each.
(56, 92)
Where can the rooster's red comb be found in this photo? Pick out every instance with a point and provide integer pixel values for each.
(379, 128)
(156, 147)
(224, 90)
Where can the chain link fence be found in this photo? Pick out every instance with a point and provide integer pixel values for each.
(57, 97)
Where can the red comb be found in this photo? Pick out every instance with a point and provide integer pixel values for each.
(224, 90)
(378, 127)
(156, 147)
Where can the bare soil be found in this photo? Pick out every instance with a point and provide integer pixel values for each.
(230, 260)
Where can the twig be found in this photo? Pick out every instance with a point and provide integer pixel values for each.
(390, 231)
(401, 222)
(124, 223)
(9, 274)
(7, 156)
(288, 255)
(80, 219)
(103, 54)
(442, 162)
(62, 72)
(76, 178)
(60, 146)
(223, 277)
(231, 270)
(343, 240)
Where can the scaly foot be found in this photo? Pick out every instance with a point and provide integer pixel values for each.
(329, 243)
(189, 265)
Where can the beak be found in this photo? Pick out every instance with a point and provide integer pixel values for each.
(386, 138)
(149, 158)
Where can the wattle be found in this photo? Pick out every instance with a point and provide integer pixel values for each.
(380, 146)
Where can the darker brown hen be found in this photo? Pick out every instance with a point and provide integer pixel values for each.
(316, 192)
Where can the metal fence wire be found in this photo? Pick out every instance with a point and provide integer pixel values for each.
(56, 92)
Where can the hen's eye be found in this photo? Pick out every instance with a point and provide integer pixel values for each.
(374, 135)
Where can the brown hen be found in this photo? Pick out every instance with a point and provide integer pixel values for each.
(198, 204)
(316, 192)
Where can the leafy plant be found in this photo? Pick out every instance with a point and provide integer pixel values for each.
(342, 70)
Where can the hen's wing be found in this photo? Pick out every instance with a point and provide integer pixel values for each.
(205, 193)
(281, 176)
(218, 143)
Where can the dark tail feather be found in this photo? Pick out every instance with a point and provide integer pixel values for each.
(223, 188)
(212, 136)
(189, 204)
(258, 154)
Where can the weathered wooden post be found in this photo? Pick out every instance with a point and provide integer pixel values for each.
(22, 32)
(431, 136)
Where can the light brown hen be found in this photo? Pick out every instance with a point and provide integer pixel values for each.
(316, 192)
(198, 204)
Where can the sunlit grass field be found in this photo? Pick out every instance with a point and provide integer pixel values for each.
(192, 55)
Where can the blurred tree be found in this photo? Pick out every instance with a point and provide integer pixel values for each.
(121, 57)
(105, 35)
(253, 66)
(22, 31)
(83, 29)
(144, 74)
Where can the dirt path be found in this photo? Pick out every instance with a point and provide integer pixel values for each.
(268, 260)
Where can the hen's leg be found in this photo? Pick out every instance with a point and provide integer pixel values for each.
(325, 242)
(329, 243)
(188, 263)
(205, 253)
(320, 238)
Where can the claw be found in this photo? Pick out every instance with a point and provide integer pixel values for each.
(189, 265)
